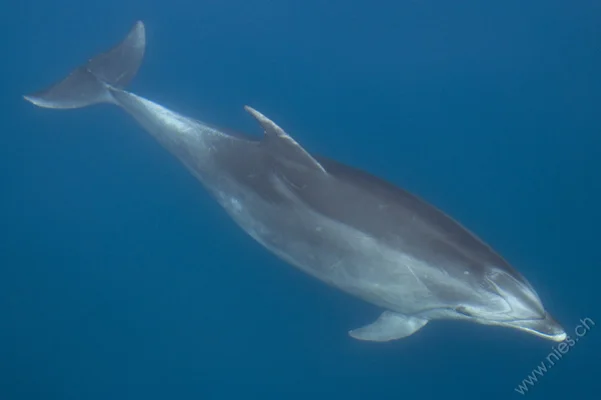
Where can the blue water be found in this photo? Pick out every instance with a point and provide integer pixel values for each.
(121, 279)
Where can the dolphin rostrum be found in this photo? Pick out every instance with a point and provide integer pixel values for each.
(338, 224)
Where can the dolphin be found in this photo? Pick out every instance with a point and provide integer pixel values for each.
(345, 227)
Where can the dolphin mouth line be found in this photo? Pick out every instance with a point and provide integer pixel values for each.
(546, 327)
(556, 337)
(518, 320)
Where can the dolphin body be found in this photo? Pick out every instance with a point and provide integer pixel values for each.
(340, 225)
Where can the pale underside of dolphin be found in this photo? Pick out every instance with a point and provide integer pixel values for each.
(340, 225)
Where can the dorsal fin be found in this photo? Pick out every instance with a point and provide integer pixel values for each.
(286, 147)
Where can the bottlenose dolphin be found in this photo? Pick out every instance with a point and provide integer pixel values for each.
(338, 224)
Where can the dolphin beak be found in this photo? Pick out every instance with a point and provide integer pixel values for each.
(546, 327)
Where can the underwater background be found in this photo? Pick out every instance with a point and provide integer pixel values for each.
(121, 279)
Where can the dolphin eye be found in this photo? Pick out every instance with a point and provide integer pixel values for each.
(462, 310)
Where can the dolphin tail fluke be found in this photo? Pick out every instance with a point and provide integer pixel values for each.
(91, 83)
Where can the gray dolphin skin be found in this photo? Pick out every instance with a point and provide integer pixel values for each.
(338, 224)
